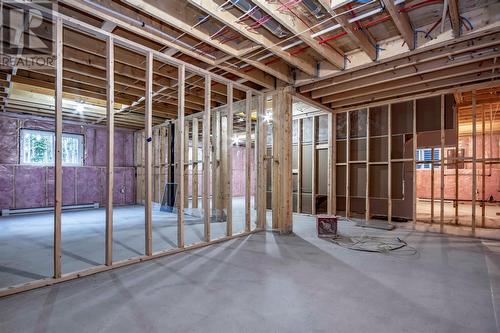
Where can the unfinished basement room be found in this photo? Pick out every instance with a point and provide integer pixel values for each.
(250, 166)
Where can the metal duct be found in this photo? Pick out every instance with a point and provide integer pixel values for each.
(256, 13)
(314, 8)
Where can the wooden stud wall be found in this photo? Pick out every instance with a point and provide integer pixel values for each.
(152, 155)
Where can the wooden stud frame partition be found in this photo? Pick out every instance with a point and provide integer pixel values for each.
(62, 20)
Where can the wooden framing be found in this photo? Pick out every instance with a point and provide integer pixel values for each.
(454, 16)
(229, 161)
(206, 160)
(483, 169)
(332, 164)
(299, 165)
(248, 153)
(389, 164)
(402, 22)
(58, 149)
(194, 145)
(456, 164)
(433, 160)
(347, 170)
(181, 143)
(414, 154)
(367, 184)
(110, 102)
(442, 167)
(148, 161)
(474, 163)
(313, 166)
(261, 163)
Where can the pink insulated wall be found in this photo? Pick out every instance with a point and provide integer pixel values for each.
(29, 186)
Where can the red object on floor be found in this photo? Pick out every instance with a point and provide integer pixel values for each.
(326, 225)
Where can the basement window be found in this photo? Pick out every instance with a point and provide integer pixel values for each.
(425, 154)
(38, 148)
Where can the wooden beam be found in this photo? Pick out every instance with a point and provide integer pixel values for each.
(110, 105)
(58, 149)
(414, 154)
(367, 184)
(248, 153)
(148, 176)
(454, 17)
(229, 160)
(300, 167)
(389, 164)
(474, 164)
(194, 144)
(313, 166)
(347, 171)
(442, 166)
(181, 142)
(421, 60)
(231, 20)
(483, 164)
(402, 23)
(206, 160)
(357, 35)
(297, 27)
(446, 83)
(261, 145)
(332, 162)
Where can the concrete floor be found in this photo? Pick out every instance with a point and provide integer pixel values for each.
(491, 216)
(271, 283)
(26, 240)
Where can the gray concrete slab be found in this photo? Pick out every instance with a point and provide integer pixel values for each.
(272, 283)
(26, 241)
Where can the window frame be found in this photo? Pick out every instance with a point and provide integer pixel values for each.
(79, 137)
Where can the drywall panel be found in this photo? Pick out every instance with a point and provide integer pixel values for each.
(378, 181)
(341, 179)
(322, 171)
(306, 168)
(357, 182)
(378, 149)
(402, 117)
(357, 123)
(341, 125)
(378, 120)
(322, 128)
(429, 114)
(341, 152)
(357, 150)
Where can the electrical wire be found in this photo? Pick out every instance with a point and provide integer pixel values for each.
(373, 244)
(308, 29)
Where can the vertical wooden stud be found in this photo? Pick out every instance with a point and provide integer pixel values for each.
(415, 145)
(206, 159)
(186, 162)
(194, 147)
(483, 171)
(299, 164)
(432, 185)
(58, 150)
(110, 104)
(442, 161)
(313, 166)
(148, 103)
(367, 185)
(276, 188)
(456, 162)
(474, 162)
(262, 163)
(347, 171)
(389, 164)
(181, 159)
(229, 145)
(248, 152)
